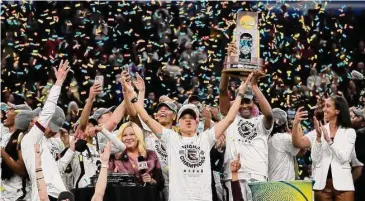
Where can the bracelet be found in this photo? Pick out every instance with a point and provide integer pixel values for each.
(241, 94)
(38, 170)
(104, 166)
(40, 178)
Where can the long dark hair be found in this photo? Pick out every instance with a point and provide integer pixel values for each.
(279, 129)
(11, 149)
(343, 117)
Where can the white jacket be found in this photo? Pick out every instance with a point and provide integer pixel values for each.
(50, 168)
(338, 155)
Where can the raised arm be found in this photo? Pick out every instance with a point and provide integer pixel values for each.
(223, 94)
(50, 105)
(103, 175)
(206, 113)
(263, 103)
(221, 126)
(299, 140)
(93, 92)
(141, 87)
(223, 85)
(117, 144)
(116, 117)
(41, 183)
(131, 95)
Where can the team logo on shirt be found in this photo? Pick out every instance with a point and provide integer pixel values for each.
(161, 150)
(191, 156)
(247, 130)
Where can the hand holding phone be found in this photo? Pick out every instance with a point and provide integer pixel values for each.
(99, 79)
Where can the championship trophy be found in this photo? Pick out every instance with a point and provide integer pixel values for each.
(247, 41)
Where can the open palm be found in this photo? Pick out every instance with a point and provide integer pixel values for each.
(61, 72)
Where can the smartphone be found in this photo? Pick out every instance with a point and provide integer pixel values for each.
(100, 79)
(125, 68)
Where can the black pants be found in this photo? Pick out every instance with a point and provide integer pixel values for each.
(52, 198)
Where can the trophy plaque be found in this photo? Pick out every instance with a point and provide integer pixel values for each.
(248, 46)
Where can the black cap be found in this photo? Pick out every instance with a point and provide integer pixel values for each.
(66, 195)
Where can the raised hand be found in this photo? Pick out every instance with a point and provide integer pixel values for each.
(256, 76)
(206, 113)
(104, 157)
(139, 83)
(215, 113)
(300, 115)
(62, 71)
(232, 49)
(244, 84)
(164, 98)
(95, 90)
(317, 127)
(127, 87)
(325, 133)
(236, 164)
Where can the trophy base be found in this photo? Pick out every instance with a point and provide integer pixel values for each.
(237, 72)
(240, 69)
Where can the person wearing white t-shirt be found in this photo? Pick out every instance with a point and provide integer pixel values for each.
(281, 149)
(188, 153)
(47, 116)
(166, 116)
(247, 135)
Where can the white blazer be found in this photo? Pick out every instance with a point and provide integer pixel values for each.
(338, 155)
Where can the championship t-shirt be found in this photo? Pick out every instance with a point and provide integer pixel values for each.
(155, 144)
(189, 165)
(281, 157)
(249, 138)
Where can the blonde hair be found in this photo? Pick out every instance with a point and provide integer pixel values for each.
(139, 134)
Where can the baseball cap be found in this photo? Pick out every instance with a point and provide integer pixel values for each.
(280, 115)
(66, 195)
(249, 93)
(188, 109)
(360, 112)
(58, 119)
(172, 106)
(97, 114)
(24, 117)
(19, 107)
(91, 120)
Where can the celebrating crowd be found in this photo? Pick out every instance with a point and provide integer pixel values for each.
(163, 101)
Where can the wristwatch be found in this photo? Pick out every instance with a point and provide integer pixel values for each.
(134, 100)
(241, 94)
(104, 166)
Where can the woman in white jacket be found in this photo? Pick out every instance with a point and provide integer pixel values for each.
(331, 152)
